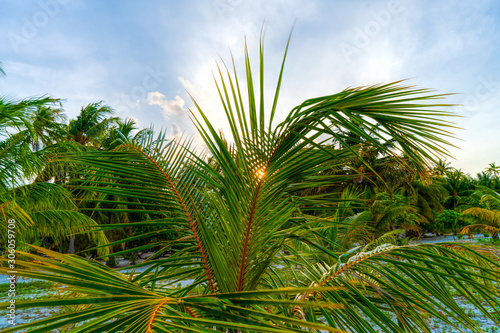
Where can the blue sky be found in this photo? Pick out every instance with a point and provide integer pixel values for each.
(142, 57)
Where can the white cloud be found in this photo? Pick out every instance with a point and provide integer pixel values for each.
(169, 107)
(175, 131)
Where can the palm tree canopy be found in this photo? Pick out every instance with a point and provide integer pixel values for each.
(48, 125)
(493, 169)
(92, 124)
(17, 161)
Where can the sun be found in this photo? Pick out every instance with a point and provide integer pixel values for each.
(260, 173)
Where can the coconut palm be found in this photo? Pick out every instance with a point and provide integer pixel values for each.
(442, 168)
(92, 125)
(235, 214)
(44, 209)
(17, 161)
(493, 170)
(89, 129)
(48, 126)
(485, 179)
(458, 185)
(486, 213)
(123, 133)
(40, 208)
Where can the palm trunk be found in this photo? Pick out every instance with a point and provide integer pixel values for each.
(71, 247)
(111, 260)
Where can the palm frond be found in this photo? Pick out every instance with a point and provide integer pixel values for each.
(381, 293)
(490, 216)
(45, 209)
(158, 181)
(113, 302)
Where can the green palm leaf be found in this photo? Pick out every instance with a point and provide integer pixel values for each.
(393, 288)
(111, 302)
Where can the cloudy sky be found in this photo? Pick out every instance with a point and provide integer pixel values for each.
(143, 57)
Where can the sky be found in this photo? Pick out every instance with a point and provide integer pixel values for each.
(146, 59)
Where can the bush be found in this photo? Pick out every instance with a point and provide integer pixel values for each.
(449, 221)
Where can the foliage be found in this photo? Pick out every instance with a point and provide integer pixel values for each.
(91, 125)
(487, 212)
(44, 209)
(28, 128)
(236, 209)
(448, 221)
(17, 160)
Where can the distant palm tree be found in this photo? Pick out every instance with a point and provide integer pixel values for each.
(493, 170)
(442, 168)
(92, 125)
(90, 128)
(487, 214)
(485, 179)
(17, 160)
(40, 208)
(48, 126)
(458, 185)
(122, 132)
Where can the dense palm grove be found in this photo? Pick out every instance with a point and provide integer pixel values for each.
(389, 196)
(292, 225)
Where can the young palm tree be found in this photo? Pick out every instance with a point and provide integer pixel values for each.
(236, 212)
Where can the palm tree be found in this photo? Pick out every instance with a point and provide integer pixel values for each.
(458, 185)
(16, 157)
(92, 125)
(40, 208)
(90, 128)
(48, 126)
(235, 214)
(442, 168)
(493, 170)
(486, 213)
(485, 179)
(123, 133)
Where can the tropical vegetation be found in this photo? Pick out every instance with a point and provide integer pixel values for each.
(286, 223)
